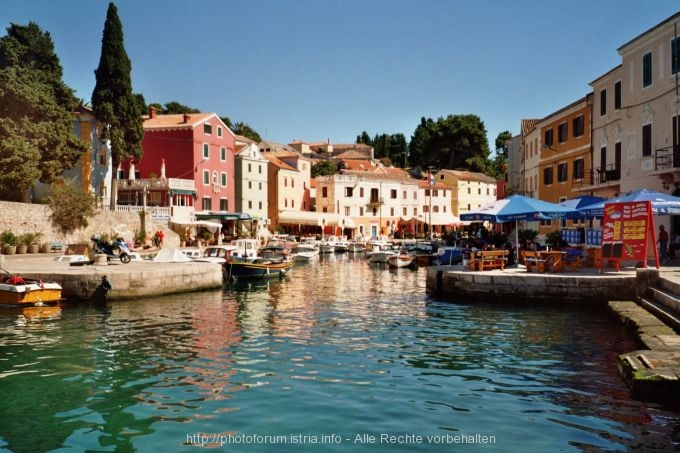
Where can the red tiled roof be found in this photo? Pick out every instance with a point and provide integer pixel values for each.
(176, 121)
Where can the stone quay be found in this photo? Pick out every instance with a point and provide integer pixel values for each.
(135, 280)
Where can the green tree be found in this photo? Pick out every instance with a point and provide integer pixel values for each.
(113, 103)
(245, 130)
(454, 142)
(36, 113)
(392, 147)
(324, 168)
(499, 164)
(70, 207)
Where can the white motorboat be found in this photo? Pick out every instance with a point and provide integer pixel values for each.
(401, 260)
(379, 256)
(304, 252)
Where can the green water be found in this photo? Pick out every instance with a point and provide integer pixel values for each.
(342, 352)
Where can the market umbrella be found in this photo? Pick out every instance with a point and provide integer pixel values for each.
(662, 203)
(518, 207)
(580, 202)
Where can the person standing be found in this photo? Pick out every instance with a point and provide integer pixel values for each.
(663, 244)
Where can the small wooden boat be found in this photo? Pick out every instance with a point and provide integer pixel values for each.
(18, 291)
(256, 269)
(401, 260)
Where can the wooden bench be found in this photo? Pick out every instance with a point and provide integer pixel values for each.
(533, 261)
(492, 259)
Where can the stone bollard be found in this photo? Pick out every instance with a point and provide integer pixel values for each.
(101, 260)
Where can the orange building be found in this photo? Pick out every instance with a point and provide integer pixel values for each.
(565, 156)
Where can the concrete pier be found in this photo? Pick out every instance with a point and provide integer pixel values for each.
(136, 279)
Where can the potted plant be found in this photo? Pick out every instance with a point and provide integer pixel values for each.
(22, 243)
(33, 240)
(9, 242)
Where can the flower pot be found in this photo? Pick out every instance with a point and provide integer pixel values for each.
(33, 248)
(9, 249)
(45, 248)
(21, 249)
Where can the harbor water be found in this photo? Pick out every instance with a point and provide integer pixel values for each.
(340, 355)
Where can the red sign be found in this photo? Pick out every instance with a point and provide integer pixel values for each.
(626, 230)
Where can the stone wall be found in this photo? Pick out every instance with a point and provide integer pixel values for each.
(23, 218)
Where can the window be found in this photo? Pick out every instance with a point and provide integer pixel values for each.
(219, 131)
(562, 132)
(646, 140)
(404, 211)
(578, 126)
(223, 176)
(249, 168)
(548, 139)
(675, 55)
(224, 204)
(223, 154)
(324, 192)
(207, 128)
(206, 204)
(206, 177)
(206, 150)
(361, 192)
(617, 95)
(215, 178)
(347, 213)
(562, 172)
(647, 69)
(578, 170)
(603, 102)
(393, 194)
(349, 191)
(547, 176)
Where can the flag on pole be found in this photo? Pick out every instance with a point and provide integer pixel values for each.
(430, 178)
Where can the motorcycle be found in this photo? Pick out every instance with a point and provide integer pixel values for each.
(118, 249)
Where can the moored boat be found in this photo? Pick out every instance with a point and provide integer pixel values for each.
(16, 290)
(401, 260)
(379, 256)
(254, 269)
(303, 252)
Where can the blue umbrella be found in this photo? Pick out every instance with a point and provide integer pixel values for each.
(579, 203)
(662, 203)
(518, 207)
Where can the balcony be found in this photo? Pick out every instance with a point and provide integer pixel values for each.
(666, 159)
(375, 202)
(601, 176)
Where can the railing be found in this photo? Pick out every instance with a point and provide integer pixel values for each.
(156, 184)
(667, 158)
(155, 211)
(375, 202)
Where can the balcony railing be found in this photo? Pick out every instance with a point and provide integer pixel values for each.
(374, 202)
(667, 158)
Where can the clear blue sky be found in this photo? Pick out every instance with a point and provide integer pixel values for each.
(315, 70)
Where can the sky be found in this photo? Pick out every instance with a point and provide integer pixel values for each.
(327, 70)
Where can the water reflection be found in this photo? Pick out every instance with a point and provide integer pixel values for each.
(359, 346)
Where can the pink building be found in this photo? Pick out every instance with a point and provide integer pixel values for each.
(191, 146)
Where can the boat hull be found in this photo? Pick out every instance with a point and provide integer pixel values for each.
(30, 294)
(398, 261)
(257, 270)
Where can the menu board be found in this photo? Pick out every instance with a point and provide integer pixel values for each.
(627, 229)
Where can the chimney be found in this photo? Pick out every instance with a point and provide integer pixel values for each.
(152, 112)
(186, 118)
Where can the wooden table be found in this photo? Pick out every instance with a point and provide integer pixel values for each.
(554, 259)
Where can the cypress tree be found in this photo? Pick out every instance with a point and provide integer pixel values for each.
(116, 108)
